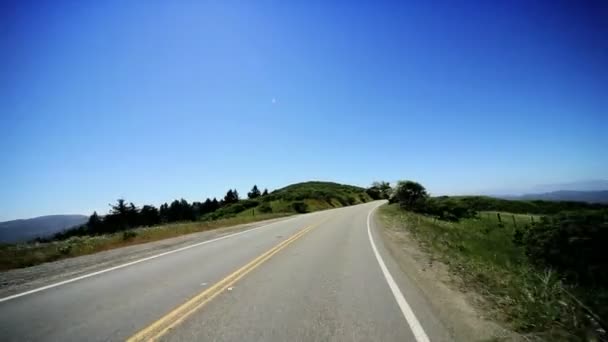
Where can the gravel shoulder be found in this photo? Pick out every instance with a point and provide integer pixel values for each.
(24, 279)
(460, 310)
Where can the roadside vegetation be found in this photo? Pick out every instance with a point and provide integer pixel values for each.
(541, 265)
(127, 224)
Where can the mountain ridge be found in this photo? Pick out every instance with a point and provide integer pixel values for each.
(22, 230)
(600, 196)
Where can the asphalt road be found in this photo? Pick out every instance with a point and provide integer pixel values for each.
(313, 277)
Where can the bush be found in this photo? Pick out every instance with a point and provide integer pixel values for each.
(374, 193)
(300, 207)
(232, 209)
(265, 208)
(128, 235)
(65, 249)
(411, 195)
(573, 243)
(444, 209)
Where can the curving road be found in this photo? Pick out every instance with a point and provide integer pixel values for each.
(323, 276)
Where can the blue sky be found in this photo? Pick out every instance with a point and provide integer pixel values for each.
(156, 100)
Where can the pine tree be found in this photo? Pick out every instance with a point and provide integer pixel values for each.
(94, 225)
(254, 193)
(164, 212)
(148, 216)
(232, 196)
(265, 192)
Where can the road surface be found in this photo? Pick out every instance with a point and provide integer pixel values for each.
(322, 276)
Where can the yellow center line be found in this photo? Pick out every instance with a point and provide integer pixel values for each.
(176, 316)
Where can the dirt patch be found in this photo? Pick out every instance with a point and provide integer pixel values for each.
(24, 279)
(463, 312)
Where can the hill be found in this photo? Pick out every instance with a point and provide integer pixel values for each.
(299, 197)
(586, 185)
(317, 195)
(28, 229)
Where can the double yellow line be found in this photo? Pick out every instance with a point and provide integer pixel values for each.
(176, 316)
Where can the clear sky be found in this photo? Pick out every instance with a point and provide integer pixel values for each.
(157, 100)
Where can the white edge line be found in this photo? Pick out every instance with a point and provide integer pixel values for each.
(88, 275)
(407, 311)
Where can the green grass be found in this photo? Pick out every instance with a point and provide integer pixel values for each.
(481, 251)
(30, 254)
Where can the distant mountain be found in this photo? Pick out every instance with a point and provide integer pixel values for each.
(584, 186)
(540, 190)
(566, 195)
(24, 230)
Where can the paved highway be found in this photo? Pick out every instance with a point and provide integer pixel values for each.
(323, 276)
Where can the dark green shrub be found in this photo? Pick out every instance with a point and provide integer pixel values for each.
(410, 194)
(232, 209)
(300, 207)
(443, 209)
(128, 235)
(265, 208)
(374, 193)
(573, 243)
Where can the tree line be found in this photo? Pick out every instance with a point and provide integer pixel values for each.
(125, 215)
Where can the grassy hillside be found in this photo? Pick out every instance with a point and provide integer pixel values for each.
(316, 196)
(295, 198)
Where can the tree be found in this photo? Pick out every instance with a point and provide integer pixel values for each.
(232, 196)
(94, 224)
(164, 212)
(265, 192)
(384, 189)
(410, 194)
(181, 211)
(254, 193)
(215, 204)
(149, 216)
(118, 217)
(132, 215)
(374, 193)
(120, 208)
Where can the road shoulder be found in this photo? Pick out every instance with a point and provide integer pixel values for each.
(460, 311)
